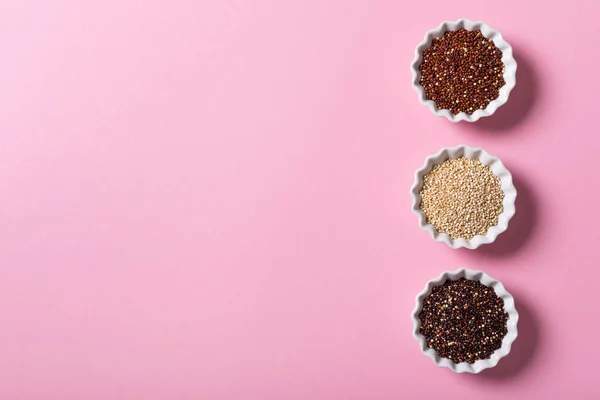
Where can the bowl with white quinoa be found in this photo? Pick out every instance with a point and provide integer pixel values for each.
(463, 197)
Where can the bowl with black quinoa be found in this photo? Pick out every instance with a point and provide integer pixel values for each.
(465, 320)
(463, 70)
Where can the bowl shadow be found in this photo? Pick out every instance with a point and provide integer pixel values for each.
(520, 103)
(524, 348)
(520, 228)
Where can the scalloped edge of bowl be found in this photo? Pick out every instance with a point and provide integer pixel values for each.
(498, 168)
(510, 68)
(509, 306)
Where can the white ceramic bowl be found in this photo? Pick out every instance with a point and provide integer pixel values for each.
(510, 68)
(508, 204)
(511, 324)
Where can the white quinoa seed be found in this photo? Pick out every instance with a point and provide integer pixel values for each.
(462, 197)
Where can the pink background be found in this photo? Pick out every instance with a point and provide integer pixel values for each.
(210, 200)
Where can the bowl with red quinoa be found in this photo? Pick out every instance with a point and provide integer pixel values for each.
(463, 196)
(463, 70)
(465, 320)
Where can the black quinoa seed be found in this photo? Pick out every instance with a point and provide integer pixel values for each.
(463, 320)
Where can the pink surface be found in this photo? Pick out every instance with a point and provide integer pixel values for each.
(210, 200)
